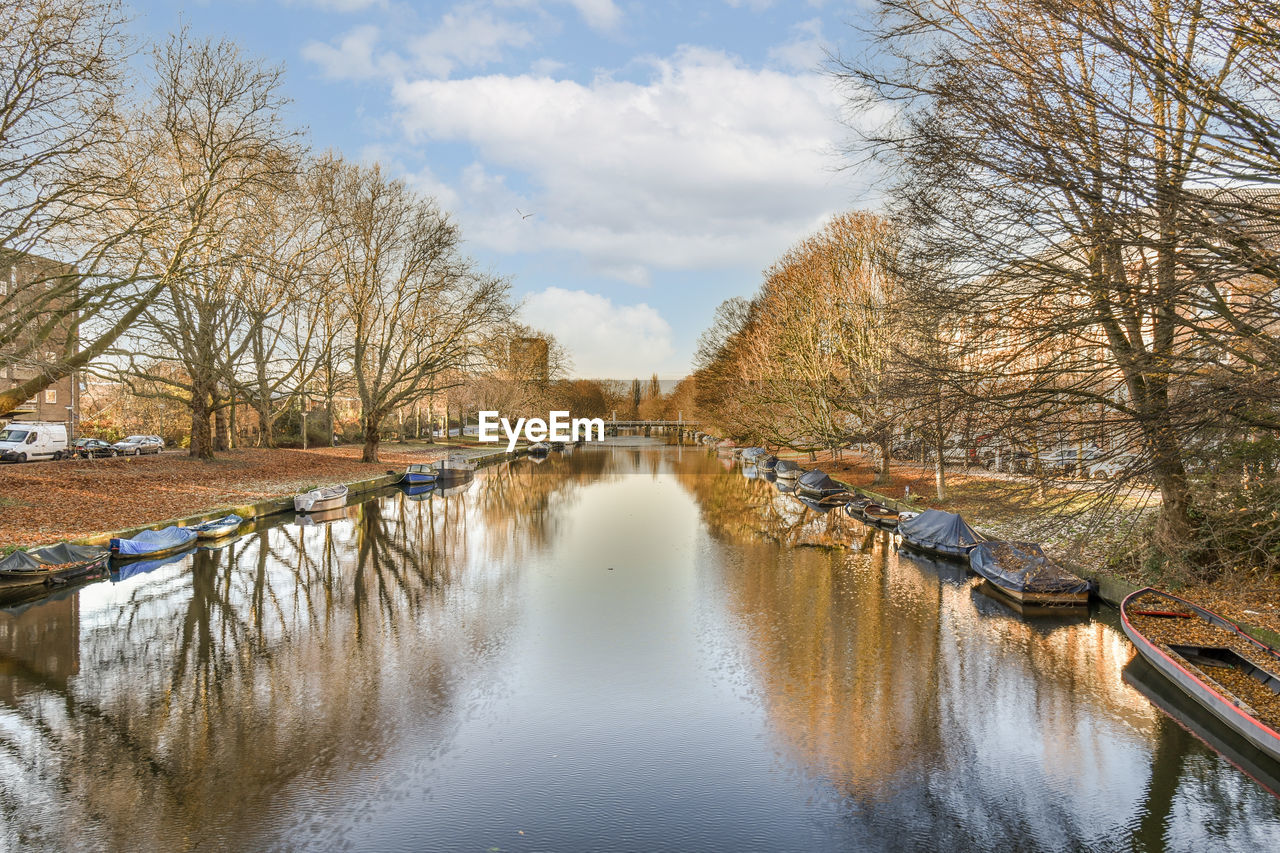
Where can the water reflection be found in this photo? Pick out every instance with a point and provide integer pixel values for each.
(613, 649)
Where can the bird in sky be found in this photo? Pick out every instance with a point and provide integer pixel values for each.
(523, 215)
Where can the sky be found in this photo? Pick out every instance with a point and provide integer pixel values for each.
(627, 165)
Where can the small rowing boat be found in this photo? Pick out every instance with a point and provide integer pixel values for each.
(318, 500)
(217, 528)
(419, 474)
(1229, 672)
(881, 516)
(455, 466)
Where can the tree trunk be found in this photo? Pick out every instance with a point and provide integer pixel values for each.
(371, 436)
(201, 439)
(939, 470)
(221, 437)
(882, 476)
(266, 434)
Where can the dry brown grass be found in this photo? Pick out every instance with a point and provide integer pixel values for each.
(55, 501)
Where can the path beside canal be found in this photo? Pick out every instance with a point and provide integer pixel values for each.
(49, 502)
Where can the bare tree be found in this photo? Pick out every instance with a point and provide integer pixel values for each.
(65, 298)
(417, 311)
(1068, 172)
(213, 146)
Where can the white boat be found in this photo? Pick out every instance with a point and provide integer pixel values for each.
(316, 500)
(455, 465)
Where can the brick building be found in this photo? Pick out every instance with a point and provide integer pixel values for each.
(25, 284)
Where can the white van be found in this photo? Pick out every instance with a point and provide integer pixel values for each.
(25, 442)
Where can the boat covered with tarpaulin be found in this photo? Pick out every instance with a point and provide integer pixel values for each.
(51, 564)
(153, 543)
(768, 462)
(1021, 571)
(938, 532)
(816, 484)
(751, 454)
(787, 469)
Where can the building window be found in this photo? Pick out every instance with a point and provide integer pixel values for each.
(51, 396)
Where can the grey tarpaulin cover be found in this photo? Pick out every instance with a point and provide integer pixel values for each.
(817, 482)
(785, 465)
(767, 463)
(1023, 567)
(40, 559)
(943, 532)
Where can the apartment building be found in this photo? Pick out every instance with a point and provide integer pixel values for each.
(29, 288)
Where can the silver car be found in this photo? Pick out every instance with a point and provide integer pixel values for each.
(136, 445)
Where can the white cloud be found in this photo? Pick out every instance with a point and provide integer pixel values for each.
(466, 36)
(338, 5)
(708, 163)
(804, 51)
(351, 58)
(608, 339)
(601, 15)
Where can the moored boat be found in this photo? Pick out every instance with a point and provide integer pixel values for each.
(937, 532)
(853, 508)
(218, 527)
(1230, 673)
(51, 564)
(152, 544)
(455, 466)
(816, 484)
(751, 454)
(881, 516)
(539, 448)
(1021, 571)
(318, 500)
(786, 469)
(419, 474)
(767, 462)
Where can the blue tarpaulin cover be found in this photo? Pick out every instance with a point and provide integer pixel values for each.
(943, 532)
(1023, 567)
(151, 541)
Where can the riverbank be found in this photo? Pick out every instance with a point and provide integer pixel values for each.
(42, 503)
(1008, 507)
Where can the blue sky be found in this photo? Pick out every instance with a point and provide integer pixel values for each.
(666, 152)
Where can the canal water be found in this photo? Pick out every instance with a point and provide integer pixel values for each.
(618, 649)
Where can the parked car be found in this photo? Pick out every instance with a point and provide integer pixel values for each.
(136, 445)
(1112, 466)
(27, 442)
(88, 448)
(157, 440)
